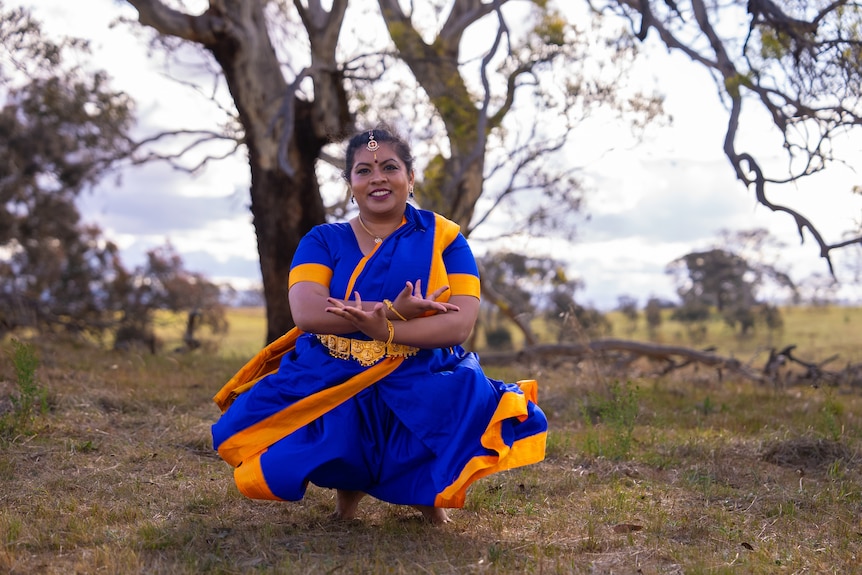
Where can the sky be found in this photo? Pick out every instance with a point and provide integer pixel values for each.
(650, 202)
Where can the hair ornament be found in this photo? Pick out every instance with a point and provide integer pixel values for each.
(372, 144)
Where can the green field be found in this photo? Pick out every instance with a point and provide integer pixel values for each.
(110, 470)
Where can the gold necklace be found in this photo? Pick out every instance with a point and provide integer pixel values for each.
(377, 239)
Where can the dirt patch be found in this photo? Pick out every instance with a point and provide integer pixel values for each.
(809, 453)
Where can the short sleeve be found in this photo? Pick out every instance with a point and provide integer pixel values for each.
(312, 260)
(461, 268)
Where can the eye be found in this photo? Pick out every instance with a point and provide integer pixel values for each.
(390, 167)
(362, 171)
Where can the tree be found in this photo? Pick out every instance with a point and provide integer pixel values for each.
(506, 117)
(287, 117)
(628, 306)
(652, 313)
(524, 287)
(724, 280)
(800, 62)
(61, 128)
(284, 128)
(163, 283)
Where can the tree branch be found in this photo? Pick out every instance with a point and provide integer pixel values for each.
(165, 20)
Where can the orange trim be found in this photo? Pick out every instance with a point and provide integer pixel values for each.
(464, 284)
(250, 480)
(357, 270)
(246, 443)
(317, 273)
(264, 362)
(530, 389)
(445, 232)
(525, 451)
(361, 265)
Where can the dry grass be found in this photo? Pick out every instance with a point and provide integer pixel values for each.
(118, 476)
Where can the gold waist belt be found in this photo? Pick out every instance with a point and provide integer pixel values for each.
(365, 352)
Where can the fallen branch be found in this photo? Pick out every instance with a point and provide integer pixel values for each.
(673, 356)
(777, 370)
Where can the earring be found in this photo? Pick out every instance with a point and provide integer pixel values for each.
(352, 199)
(410, 193)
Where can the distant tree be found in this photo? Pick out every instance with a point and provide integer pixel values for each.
(819, 289)
(725, 281)
(628, 306)
(61, 128)
(508, 284)
(162, 283)
(652, 312)
(525, 287)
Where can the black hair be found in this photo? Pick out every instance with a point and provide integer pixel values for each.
(381, 135)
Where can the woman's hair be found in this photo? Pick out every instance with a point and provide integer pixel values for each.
(381, 135)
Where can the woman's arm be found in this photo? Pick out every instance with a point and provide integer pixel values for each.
(309, 302)
(439, 330)
(442, 329)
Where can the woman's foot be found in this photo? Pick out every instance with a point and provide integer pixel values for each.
(346, 503)
(435, 515)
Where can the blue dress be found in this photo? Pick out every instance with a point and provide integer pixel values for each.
(414, 428)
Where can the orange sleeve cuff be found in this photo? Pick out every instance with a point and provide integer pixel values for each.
(316, 273)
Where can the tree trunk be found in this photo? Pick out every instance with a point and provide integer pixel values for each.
(284, 206)
(285, 203)
(284, 209)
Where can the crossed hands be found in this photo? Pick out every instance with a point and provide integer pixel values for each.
(410, 303)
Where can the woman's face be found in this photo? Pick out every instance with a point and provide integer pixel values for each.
(379, 181)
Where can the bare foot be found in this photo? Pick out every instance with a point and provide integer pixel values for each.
(435, 515)
(346, 503)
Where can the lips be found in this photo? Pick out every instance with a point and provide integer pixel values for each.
(379, 193)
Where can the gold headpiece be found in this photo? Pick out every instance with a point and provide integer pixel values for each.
(372, 144)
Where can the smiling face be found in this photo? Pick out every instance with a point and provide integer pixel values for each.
(380, 181)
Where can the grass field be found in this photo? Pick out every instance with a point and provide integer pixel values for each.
(107, 467)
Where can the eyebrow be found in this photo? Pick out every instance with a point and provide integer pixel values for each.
(387, 160)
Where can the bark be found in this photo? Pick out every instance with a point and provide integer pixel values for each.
(284, 134)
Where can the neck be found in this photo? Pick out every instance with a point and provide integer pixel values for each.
(379, 229)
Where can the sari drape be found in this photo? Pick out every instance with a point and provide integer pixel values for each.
(416, 430)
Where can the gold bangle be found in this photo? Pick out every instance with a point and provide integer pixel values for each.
(391, 307)
(391, 333)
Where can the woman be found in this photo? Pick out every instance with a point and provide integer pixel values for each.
(372, 392)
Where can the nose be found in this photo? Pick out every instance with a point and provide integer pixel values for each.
(377, 175)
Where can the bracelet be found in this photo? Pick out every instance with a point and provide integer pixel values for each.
(391, 333)
(391, 307)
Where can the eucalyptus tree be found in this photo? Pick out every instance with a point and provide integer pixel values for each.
(508, 83)
(290, 103)
(283, 122)
(799, 61)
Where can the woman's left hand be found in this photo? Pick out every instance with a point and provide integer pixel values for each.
(371, 323)
(411, 303)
